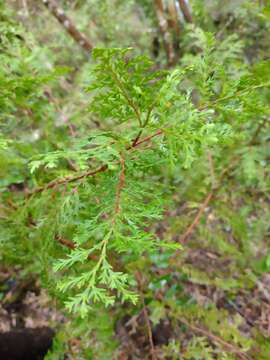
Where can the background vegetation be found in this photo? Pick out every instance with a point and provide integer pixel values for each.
(134, 170)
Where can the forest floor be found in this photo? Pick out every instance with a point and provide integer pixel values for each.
(27, 313)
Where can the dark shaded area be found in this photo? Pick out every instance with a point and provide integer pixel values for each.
(24, 318)
(162, 332)
(25, 344)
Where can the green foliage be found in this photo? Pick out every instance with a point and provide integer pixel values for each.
(88, 207)
(125, 91)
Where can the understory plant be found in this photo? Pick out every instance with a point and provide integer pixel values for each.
(106, 207)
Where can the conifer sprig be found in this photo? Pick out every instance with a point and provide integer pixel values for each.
(127, 91)
(143, 106)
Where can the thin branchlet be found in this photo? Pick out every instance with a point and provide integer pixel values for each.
(69, 179)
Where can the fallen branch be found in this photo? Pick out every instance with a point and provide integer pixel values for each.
(233, 349)
(146, 317)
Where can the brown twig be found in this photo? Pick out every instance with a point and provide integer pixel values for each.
(135, 141)
(146, 317)
(64, 20)
(68, 243)
(67, 179)
(197, 217)
(89, 173)
(233, 349)
(206, 201)
(210, 195)
(146, 139)
(71, 245)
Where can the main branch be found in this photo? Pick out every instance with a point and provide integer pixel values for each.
(89, 173)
